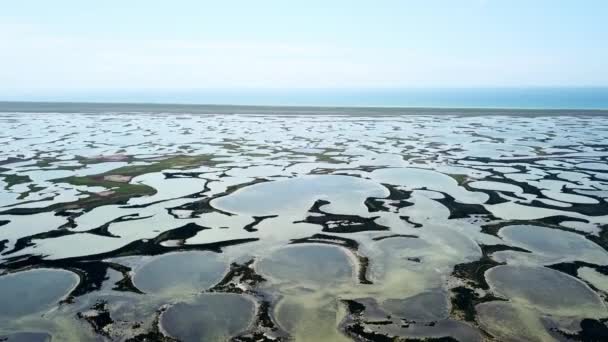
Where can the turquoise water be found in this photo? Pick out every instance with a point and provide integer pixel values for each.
(530, 98)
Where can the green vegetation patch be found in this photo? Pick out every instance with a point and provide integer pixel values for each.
(117, 187)
(48, 163)
(460, 178)
(117, 181)
(176, 162)
(11, 180)
(32, 189)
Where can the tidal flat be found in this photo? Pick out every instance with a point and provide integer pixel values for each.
(278, 226)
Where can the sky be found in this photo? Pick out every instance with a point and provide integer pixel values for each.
(63, 46)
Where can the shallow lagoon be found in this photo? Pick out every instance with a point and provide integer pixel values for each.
(157, 227)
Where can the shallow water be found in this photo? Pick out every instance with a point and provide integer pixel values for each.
(270, 227)
(212, 317)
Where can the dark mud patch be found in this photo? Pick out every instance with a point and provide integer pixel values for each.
(464, 301)
(397, 199)
(241, 278)
(374, 204)
(591, 330)
(361, 333)
(392, 236)
(11, 160)
(174, 175)
(328, 239)
(396, 194)
(408, 220)
(27, 241)
(473, 272)
(493, 195)
(489, 249)
(598, 209)
(257, 220)
(460, 210)
(359, 328)
(180, 234)
(339, 223)
(154, 334)
(98, 317)
(571, 268)
(354, 327)
(93, 274)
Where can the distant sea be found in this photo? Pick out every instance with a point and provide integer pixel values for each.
(582, 98)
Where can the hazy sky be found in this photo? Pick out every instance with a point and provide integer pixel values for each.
(116, 44)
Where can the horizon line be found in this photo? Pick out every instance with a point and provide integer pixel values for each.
(294, 106)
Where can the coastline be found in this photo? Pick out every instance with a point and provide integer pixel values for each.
(177, 108)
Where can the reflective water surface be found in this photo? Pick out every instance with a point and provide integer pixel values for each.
(272, 227)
